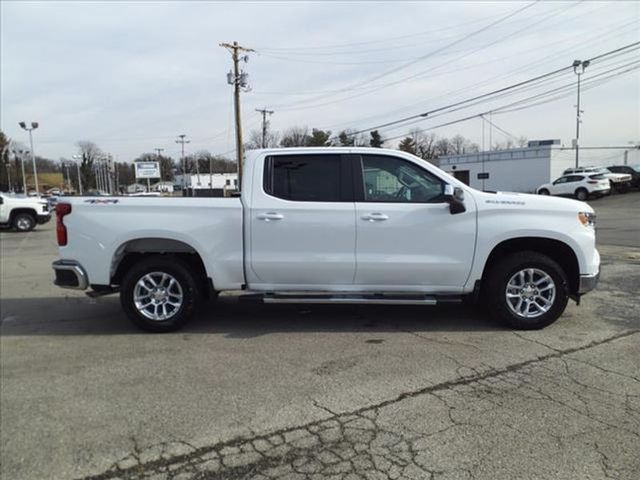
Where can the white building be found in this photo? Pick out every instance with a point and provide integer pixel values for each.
(225, 181)
(525, 169)
(136, 188)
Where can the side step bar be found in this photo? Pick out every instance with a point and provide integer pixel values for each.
(350, 299)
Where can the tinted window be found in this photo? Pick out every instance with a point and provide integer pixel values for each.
(303, 178)
(575, 178)
(390, 179)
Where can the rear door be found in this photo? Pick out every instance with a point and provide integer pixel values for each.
(407, 238)
(302, 224)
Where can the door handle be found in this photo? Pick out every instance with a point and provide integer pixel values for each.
(267, 217)
(375, 217)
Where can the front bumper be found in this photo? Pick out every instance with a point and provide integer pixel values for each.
(70, 274)
(588, 283)
(42, 219)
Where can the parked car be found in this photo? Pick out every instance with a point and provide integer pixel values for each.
(23, 213)
(620, 182)
(580, 186)
(332, 225)
(633, 170)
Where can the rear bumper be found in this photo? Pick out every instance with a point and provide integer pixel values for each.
(70, 274)
(40, 219)
(588, 283)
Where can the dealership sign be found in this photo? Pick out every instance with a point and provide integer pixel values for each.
(147, 169)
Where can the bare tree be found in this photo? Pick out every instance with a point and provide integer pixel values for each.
(443, 147)
(424, 144)
(255, 140)
(295, 137)
(89, 152)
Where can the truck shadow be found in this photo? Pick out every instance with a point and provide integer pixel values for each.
(236, 319)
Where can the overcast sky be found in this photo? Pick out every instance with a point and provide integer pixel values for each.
(130, 76)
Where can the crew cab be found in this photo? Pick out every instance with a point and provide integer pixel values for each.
(23, 213)
(332, 225)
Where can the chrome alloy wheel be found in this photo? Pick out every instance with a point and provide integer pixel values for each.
(158, 296)
(23, 223)
(530, 293)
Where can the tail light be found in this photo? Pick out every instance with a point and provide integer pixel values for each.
(62, 209)
(593, 182)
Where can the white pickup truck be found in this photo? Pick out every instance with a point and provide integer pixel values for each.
(332, 225)
(23, 213)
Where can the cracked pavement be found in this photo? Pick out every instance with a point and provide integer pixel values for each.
(315, 392)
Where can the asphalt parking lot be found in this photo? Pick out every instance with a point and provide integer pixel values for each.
(252, 391)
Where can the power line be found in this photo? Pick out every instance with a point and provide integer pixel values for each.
(431, 53)
(500, 109)
(489, 94)
(501, 76)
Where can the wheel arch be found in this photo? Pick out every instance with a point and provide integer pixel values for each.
(134, 250)
(557, 250)
(19, 210)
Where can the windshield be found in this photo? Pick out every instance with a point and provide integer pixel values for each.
(636, 167)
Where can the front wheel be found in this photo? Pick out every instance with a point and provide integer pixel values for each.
(526, 290)
(24, 222)
(159, 294)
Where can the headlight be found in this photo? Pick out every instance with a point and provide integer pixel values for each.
(587, 219)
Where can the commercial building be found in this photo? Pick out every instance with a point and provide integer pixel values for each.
(525, 169)
(207, 184)
(515, 169)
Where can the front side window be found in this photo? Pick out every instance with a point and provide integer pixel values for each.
(390, 179)
(561, 180)
(303, 178)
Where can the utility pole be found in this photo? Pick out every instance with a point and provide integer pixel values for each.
(181, 140)
(159, 154)
(579, 67)
(239, 80)
(264, 113)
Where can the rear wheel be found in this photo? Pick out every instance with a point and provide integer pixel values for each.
(526, 290)
(544, 191)
(24, 222)
(582, 194)
(159, 294)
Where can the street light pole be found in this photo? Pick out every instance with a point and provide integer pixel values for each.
(579, 67)
(78, 158)
(34, 125)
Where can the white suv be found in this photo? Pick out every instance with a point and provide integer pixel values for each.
(580, 186)
(620, 182)
(23, 213)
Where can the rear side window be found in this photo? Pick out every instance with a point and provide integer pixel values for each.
(303, 178)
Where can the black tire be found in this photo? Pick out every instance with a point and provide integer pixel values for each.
(582, 194)
(495, 289)
(544, 191)
(23, 222)
(182, 275)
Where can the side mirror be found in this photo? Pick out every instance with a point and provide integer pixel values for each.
(454, 196)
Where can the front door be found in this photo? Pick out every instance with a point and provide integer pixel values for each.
(302, 224)
(407, 239)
